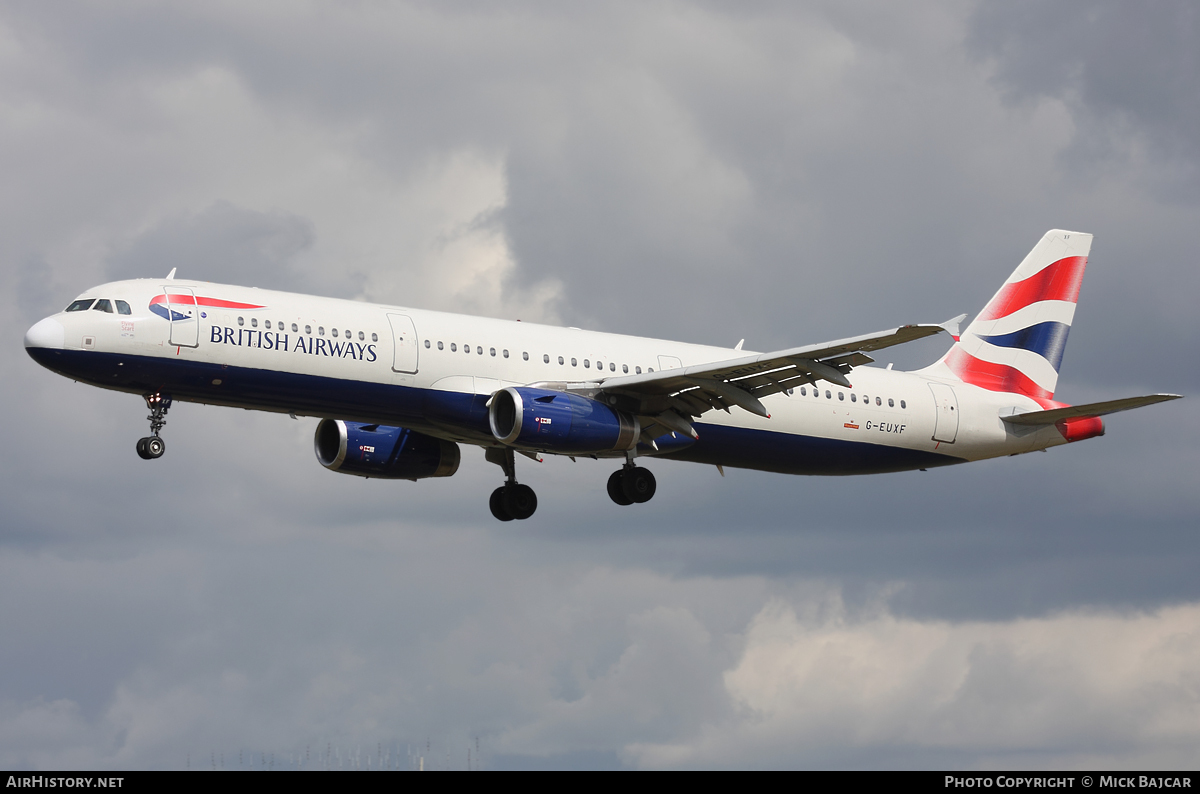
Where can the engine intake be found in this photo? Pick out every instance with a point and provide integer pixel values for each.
(393, 453)
(556, 421)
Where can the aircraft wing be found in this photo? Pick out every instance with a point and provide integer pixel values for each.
(671, 397)
(1090, 409)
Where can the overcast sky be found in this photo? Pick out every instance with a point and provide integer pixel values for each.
(703, 172)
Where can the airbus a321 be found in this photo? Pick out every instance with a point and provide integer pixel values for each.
(399, 389)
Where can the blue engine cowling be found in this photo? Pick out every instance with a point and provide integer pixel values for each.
(555, 421)
(393, 453)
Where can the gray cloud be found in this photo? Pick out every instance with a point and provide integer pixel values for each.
(779, 173)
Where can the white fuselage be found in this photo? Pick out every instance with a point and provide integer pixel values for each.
(434, 371)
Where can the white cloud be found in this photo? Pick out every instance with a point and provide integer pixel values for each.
(1078, 687)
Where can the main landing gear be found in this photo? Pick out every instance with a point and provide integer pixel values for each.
(152, 446)
(511, 500)
(631, 484)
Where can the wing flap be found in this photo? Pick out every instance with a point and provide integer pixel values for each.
(1090, 409)
(673, 396)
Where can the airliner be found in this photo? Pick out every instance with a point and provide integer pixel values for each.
(398, 390)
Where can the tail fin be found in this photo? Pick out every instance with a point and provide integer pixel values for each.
(1016, 343)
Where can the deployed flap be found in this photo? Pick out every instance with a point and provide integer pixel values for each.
(1091, 409)
(769, 373)
(671, 396)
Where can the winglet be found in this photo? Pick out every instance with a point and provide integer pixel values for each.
(171, 275)
(951, 326)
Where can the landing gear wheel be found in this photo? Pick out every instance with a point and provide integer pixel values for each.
(520, 501)
(615, 490)
(141, 449)
(155, 447)
(496, 503)
(637, 484)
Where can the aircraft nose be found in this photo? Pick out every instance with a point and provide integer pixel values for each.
(47, 333)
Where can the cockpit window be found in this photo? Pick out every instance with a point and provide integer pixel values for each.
(81, 305)
(123, 308)
(103, 305)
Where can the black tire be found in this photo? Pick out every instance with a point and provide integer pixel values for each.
(520, 501)
(615, 490)
(496, 503)
(638, 484)
(155, 447)
(141, 449)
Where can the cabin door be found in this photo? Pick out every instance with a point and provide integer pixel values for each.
(404, 335)
(945, 428)
(185, 320)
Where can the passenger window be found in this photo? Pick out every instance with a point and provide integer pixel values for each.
(362, 337)
(253, 322)
(479, 350)
(903, 404)
(891, 403)
(612, 366)
(625, 368)
(103, 305)
(525, 356)
(828, 396)
(492, 351)
(803, 391)
(453, 348)
(308, 329)
(279, 325)
(241, 322)
(878, 401)
(506, 353)
(649, 369)
(375, 338)
(573, 363)
(294, 328)
(348, 334)
(587, 364)
(267, 324)
(560, 360)
(546, 359)
(426, 341)
(841, 396)
(320, 330)
(637, 370)
(81, 306)
(853, 397)
(123, 308)
(334, 331)
(440, 346)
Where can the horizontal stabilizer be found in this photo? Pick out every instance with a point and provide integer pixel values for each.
(1091, 409)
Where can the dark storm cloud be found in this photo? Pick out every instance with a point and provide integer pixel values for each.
(698, 172)
(1131, 75)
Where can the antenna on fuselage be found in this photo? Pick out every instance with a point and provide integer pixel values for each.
(171, 275)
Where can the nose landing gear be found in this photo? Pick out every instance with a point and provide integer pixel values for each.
(152, 446)
(511, 500)
(631, 485)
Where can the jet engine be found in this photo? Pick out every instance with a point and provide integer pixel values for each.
(393, 453)
(556, 421)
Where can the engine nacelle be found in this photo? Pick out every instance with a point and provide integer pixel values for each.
(556, 421)
(393, 453)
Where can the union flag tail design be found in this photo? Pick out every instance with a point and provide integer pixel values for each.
(1016, 343)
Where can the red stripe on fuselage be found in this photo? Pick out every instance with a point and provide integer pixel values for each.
(996, 377)
(1058, 282)
(202, 301)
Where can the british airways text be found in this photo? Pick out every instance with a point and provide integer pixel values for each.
(268, 340)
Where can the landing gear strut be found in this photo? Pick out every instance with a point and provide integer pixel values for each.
(631, 485)
(511, 500)
(152, 446)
